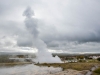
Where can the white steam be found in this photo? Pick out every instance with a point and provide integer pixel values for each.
(43, 56)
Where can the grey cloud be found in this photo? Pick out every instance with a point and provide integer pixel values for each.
(11, 28)
(25, 41)
(79, 22)
(77, 47)
(6, 41)
(59, 22)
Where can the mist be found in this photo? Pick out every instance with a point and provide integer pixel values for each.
(31, 23)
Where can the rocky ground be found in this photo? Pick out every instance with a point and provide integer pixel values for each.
(70, 72)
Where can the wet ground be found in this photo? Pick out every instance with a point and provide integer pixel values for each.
(28, 70)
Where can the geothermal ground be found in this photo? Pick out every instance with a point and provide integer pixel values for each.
(47, 69)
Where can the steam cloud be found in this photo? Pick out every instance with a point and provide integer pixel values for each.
(43, 55)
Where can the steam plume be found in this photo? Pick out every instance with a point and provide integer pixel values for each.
(43, 54)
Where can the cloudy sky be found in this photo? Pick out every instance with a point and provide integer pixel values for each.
(64, 25)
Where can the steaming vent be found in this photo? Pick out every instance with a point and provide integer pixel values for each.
(43, 56)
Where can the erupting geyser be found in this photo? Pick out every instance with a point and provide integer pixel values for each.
(43, 56)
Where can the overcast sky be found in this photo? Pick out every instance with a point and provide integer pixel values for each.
(64, 25)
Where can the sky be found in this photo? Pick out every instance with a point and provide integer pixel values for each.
(63, 25)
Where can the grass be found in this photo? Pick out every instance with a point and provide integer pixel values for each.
(93, 61)
(14, 64)
(75, 66)
(97, 71)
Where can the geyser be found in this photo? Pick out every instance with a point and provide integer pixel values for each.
(43, 56)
